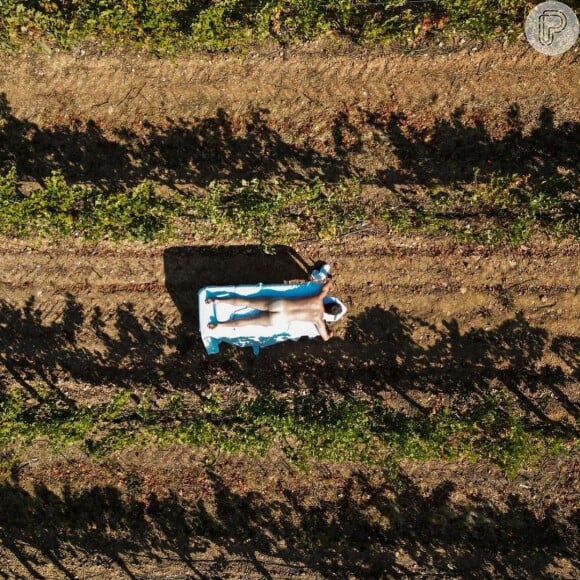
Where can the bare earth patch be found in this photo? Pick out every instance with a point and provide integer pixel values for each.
(406, 123)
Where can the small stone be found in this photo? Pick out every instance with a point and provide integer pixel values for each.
(463, 290)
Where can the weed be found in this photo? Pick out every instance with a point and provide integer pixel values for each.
(145, 409)
(118, 406)
(114, 439)
(175, 406)
(58, 210)
(226, 24)
(305, 428)
(505, 209)
(275, 214)
(134, 484)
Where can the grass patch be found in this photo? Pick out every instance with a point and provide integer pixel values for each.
(58, 210)
(254, 210)
(273, 214)
(226, 24)
(306, 429)
(504, 210)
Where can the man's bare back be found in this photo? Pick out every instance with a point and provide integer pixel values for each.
(280, 311)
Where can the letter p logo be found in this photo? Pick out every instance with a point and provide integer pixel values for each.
(551, 22)
(552, 27)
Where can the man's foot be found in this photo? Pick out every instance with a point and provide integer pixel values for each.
(212, 325)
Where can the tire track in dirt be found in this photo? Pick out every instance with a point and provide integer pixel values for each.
(407, 122)
(418, 324)
(409, 273)
(126, 90)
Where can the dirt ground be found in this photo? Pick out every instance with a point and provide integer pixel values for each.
(403, 122)
(426, 319)
(430, 322)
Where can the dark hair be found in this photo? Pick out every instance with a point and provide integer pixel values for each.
(332, 308)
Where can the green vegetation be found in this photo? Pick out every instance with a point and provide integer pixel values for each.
(59, 210)
(274, 214)
(254, 210)
(225, 24)
(305, 428)
(504, 210)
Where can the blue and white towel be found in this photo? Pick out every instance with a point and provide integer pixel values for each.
(255, 336)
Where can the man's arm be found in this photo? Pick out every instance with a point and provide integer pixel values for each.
(322, 330)
(326, 288)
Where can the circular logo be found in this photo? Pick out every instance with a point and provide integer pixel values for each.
(552, 28)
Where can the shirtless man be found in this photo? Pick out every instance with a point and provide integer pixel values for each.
(282, 311)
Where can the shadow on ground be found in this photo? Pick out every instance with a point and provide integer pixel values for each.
(367, 530)
(222, 147)
(190, 268)
(380, 354)
(228, 147)
(456, 151)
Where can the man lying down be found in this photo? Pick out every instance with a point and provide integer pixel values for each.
(281, 312)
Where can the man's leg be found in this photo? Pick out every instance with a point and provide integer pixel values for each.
(243, 302)
(262, 319)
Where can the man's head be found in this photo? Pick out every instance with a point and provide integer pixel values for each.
(332, 308)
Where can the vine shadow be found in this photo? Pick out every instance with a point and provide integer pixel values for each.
(462, 149)
(380, 356)
(179, 152)
(366, 528)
